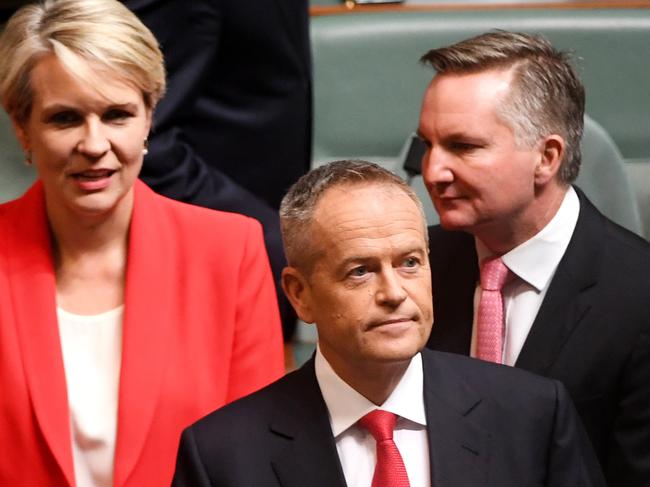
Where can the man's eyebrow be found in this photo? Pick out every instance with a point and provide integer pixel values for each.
(414, 250)
(355, 259)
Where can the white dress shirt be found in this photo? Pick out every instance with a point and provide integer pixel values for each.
(534, 263)
(356, 447)
(92, 351)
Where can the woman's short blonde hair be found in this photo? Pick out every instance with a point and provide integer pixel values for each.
(92, 38)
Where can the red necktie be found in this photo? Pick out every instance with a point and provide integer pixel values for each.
(490, 319)
(389, 470)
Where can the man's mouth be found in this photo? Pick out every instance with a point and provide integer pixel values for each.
(392, 321)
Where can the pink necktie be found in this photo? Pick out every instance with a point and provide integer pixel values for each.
(490, 320)
(389, 470)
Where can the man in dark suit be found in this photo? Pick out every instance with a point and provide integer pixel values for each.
(355, 237)
(234, 129)
(502, 121)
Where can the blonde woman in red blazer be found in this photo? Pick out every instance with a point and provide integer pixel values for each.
(199, 325)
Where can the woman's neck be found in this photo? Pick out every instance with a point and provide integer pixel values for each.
(75, 234)
(90, 255)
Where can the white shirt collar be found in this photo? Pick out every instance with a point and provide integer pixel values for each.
(536, 260)
(346, 406)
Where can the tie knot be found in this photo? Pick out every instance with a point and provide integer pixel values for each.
(494, 274)
(380, 424)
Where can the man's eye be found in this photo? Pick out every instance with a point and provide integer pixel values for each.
(411, 262)
(64, 118)
(360, 271)
(463, 146)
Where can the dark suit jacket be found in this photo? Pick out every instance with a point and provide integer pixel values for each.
(592, 332)
(488, 425)
(233, 131)
(238, 101)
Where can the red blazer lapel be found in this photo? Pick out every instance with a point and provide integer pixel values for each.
(150, 281)
(33, 292)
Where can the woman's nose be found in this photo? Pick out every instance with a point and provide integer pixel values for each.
(94, 142)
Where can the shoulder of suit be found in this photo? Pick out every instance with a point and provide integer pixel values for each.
(628, 243)
(616, 235)
(257, 407)
(489, 378)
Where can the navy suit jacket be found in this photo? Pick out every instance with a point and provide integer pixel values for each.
(488, 425)
(592, 332)
(238, 106)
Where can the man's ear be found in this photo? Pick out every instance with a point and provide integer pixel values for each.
(550, 158)
(298, 291)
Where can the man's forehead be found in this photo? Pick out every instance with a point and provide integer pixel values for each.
(464, 105)
(468, 92)
(366, 216)
(351, 205)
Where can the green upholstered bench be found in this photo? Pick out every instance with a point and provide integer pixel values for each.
(369, 61)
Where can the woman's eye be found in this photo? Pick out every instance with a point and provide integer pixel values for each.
(64, 118)
(116, 115)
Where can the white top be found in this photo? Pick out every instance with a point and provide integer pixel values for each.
(534, 263)
(92, 354)
(356, 446)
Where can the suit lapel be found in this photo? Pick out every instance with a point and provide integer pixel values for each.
(310, 456)
(568, 299)
(150, 281)
(458, 448)
(33, 292)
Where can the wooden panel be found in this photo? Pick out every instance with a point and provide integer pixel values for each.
(350, 7)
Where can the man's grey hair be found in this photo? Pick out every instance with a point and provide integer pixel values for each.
(298, 205)
(546, 96)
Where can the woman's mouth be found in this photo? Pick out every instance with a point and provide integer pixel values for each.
(93, 179)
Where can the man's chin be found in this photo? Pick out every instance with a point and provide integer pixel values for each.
(399, 350)
(454, 222)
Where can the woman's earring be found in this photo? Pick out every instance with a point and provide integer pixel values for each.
(28, 158)
(145, 150)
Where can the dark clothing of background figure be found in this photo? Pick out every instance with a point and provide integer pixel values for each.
(592, 332)
(233, 131)
(486, 425)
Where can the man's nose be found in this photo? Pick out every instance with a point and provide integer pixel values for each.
(436, 167)
(391, 291)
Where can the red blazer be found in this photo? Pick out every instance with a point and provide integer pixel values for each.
(201, 328)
